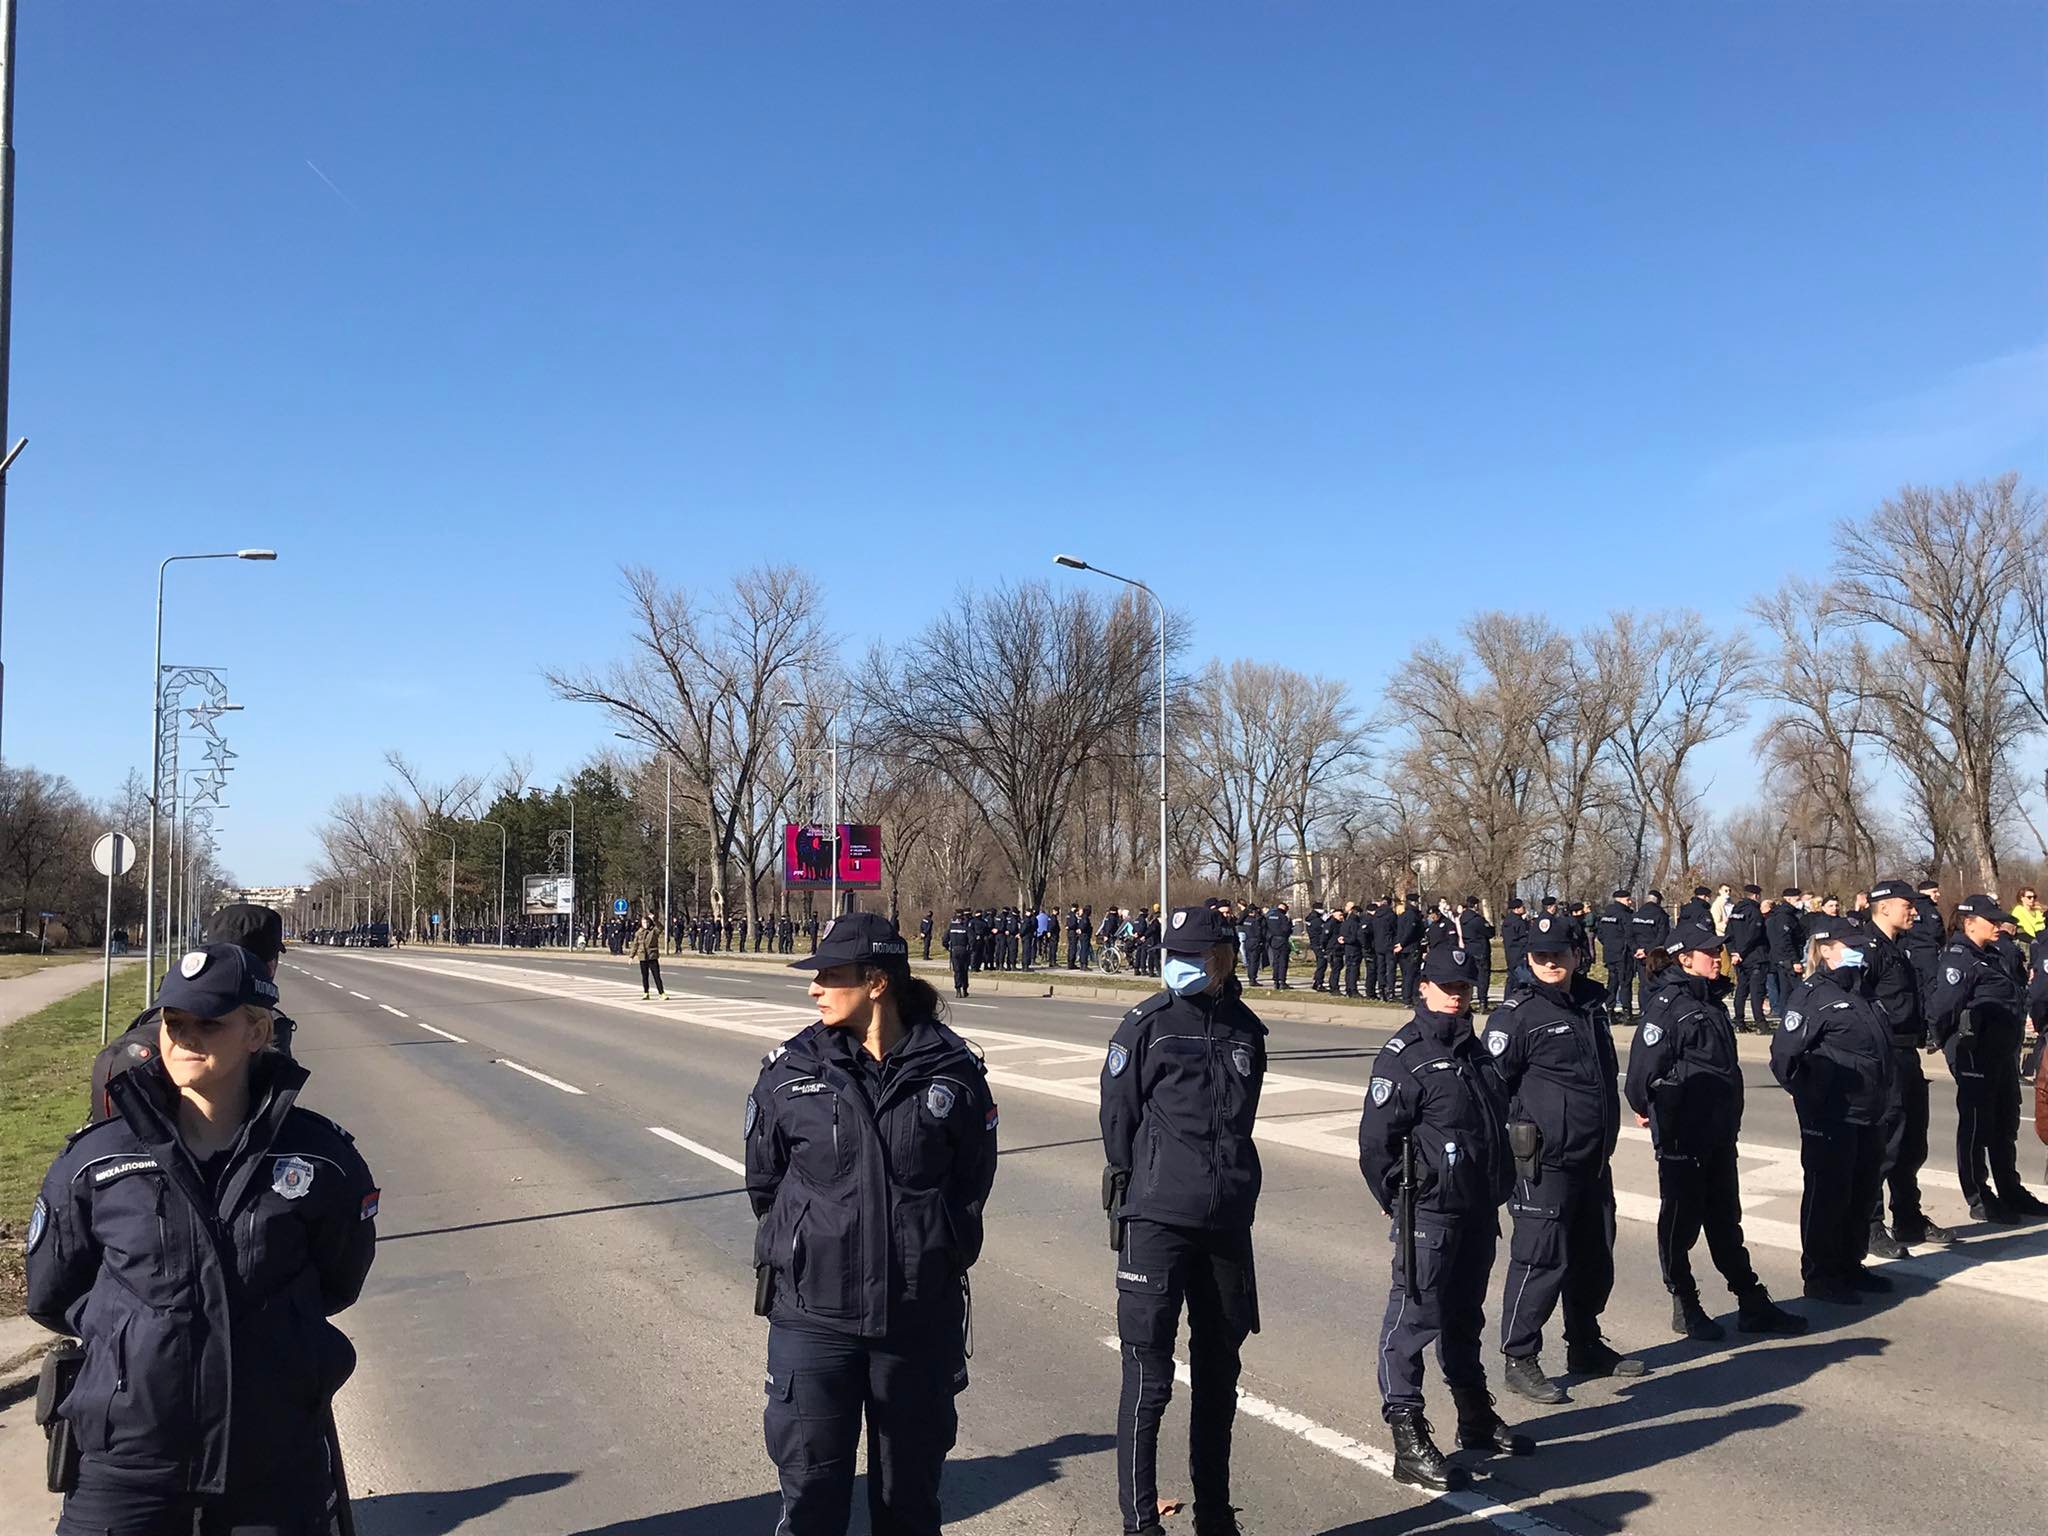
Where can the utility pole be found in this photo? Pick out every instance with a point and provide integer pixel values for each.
(7, 283)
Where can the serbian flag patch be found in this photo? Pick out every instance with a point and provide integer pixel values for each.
(990, 1123)
(370, 1205)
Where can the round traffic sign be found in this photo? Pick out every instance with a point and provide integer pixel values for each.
(113, 854)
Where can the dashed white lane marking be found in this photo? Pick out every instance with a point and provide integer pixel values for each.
(1371, 1457)
(363, 995)
(337, 986)
(961, 1002)
(441, 1032)
(540, 1077)
(393, 1011)
(698, 1147)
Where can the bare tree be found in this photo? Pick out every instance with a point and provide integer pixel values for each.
(1941, 572)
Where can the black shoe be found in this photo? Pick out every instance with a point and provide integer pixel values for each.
(1224, 1524)
(1757, 1313)
(1688, 1317)
(1597, 1357)
(1416, 1458)
(1869, 1282)
(1154, 1529)
(1883, 1245)
(1827, 1288)
(1523, 1375)
(1992, 1213)
(2022, 1203)
(1924, 1231)
(1480, 1428)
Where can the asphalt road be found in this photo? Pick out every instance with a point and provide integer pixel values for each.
(558, 1336)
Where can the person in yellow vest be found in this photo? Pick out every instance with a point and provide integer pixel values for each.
(2027, 912)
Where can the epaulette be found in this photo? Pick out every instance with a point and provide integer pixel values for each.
(774, 1056)
(1512, 1002)
(1395, 1046)
(339, 1130)
(1152, 1004)
(88, 1128)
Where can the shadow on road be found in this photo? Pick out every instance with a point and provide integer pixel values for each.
(972, 1487)
(585, 1210)
(440, 1511)
(1600, 1512)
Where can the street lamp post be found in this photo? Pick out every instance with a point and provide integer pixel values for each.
(832, 803)
(1073, 564)
(504, 842)
(156, 726)
(668, 846)
(448, 918)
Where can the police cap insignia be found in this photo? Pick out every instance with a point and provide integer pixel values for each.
(1179, 918)
(1457, 957)
(193, 963)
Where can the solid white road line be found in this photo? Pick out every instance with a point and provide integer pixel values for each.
(441, 1032)
(540, 1077)
(698, 1147)
(1371, 1457)
(363, 995)
(393, 1011)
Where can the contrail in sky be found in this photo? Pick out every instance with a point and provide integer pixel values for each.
(331, 186)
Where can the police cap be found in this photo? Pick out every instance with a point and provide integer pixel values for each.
(1840, 930)
(1984, 907)
(1891, 889)
(214, 980)
(1549, 936)
(1694, 933)
(257, 929)
(855, 938)
(1193, 929)
(1447, 966)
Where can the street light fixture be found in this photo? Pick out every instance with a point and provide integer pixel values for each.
(1074, 564)
(833, 808)
(156, 725)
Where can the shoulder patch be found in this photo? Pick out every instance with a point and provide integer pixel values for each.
(1381, 1089)
(38, 1224)
(1652, 1033)
(751, 1115)
(1952, 975)
(1119, 1058)
(1794, 1021)
(1496, 1042)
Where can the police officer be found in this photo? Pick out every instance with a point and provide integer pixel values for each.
(871, 1148)
(924, 932)
(197, 1241)
(1785, 939)
(1407, 950)
(960, 949)
(1685, 1083)
(1351, 937)
(1251, 939)
(1617, 948)
(1514, 942)
(1381, 932)
(1475, 937)
(1895, 989)
(1180, 1092)
(1322, 929)
(1434, 1106)
(1833, 1054)
(1550, 1046)
(1648, 930)
(1975, 1012)
(1699, 909)
(1279, 944)
(1749, 958)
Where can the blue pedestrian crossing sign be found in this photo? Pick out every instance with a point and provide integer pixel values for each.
(621, 906)
(435, 920)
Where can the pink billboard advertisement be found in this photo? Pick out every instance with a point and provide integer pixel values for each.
(807, 857)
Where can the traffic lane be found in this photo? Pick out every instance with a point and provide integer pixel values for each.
(1334, 1053)
(1316, 1228)
(1021, 1453)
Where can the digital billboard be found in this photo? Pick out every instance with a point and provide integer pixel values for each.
(807, 853)
(549, 895)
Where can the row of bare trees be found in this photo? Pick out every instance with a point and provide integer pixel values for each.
(1008, 747)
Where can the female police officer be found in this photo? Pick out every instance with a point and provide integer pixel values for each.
(1833, 1053)
(1180, 1092)
(198, 1241)
(1685, 1083)
(871, 1147)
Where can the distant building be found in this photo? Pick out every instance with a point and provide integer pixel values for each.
(282, 897)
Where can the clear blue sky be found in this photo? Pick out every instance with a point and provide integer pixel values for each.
(1317, 314)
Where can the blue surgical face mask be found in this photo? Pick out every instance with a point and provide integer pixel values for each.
(1184, 976)
(1848, 958)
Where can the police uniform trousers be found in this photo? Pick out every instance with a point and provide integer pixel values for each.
(1405, 965)
(1453, 1263)
(1383, 973)
(1622, 973)
(1844, 1167)
(1751, 984)
(960, 971)
(1695, 1194)
(1326, 969)
(823, 1385)
(1352, 959)
(111, 1501)
(1482, 990)
(1905, 1145)
(1277, 957)
(1987, 1073)
(1159, 1268)
(1562, 1244)
(1254, 957)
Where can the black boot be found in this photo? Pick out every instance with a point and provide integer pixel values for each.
(1480, 1428)
(1883, 1245)
(1524, 1375)
(1757, 1313)
(1690, 1318)
(1224, 1524)
(1596, 1357)
(1416, 1458)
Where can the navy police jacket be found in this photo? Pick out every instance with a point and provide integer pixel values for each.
(1180, 1094)
(867, 1203)
(1683, 1071)
(204, 1317)
(1895, 988)
(1833, 1051)
(1554, 1054)
(1976, 981)
(1431, 1082)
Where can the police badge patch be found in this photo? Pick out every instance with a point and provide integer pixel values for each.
(753, 1114)
(1497, 1043)
(1953, 975)
(38, 1224)
(1382, 1090)
(1242, 1060)
(1119, 1058)
(292, 1177)
(1457, 957)
(938, 1098)
(1793, 1020)
(1652, 1033)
